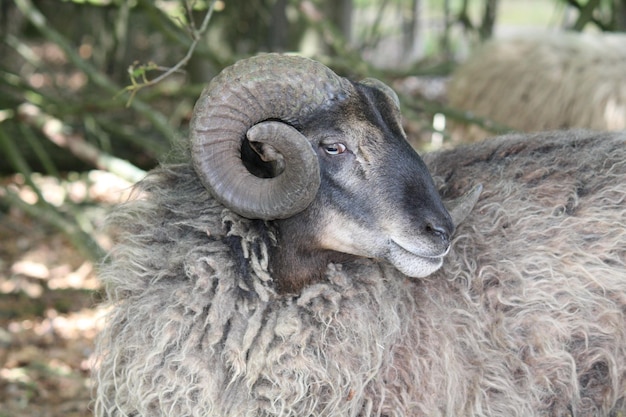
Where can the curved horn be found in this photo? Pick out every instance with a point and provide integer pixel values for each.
(279, 88)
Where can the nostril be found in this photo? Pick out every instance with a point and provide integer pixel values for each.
(438, 231)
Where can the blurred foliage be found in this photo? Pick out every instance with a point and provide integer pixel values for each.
(110, 84)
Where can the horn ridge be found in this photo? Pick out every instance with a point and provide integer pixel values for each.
(266, 87)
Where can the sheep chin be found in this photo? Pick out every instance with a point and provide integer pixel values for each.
(411, 264)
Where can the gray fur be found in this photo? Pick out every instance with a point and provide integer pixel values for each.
(544, 81)
(526, 317)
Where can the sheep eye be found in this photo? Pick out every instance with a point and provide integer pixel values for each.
(335, 148)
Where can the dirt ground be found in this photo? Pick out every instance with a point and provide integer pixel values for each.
(49, 295)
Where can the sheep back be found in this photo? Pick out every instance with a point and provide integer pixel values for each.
(527, 316)
(539, 82)
(538, 304)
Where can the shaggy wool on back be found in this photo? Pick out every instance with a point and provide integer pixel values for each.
(527, 317)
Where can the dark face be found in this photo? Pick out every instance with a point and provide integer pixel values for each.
(376, 199)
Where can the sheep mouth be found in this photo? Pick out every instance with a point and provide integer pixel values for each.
(414, 263)
(419, 252)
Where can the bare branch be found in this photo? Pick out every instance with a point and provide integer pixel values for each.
(196, 35)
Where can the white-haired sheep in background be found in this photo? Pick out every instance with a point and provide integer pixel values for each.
(542, 82)
(526, 317)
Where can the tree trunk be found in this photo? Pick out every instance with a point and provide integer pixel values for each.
(619, 15)
(340, 14)
(411, 45)
(279, 28)
(489, 19)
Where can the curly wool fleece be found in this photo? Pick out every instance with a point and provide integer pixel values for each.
(527, 317)
(552, 80)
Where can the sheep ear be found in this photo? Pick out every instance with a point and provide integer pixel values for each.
(461, 207)
(390, 92)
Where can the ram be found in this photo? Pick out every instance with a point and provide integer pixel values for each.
(232, 297)
(541, 82)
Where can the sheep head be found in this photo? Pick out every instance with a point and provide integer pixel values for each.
(323, 160)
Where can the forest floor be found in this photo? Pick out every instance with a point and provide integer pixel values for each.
(49, 313)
